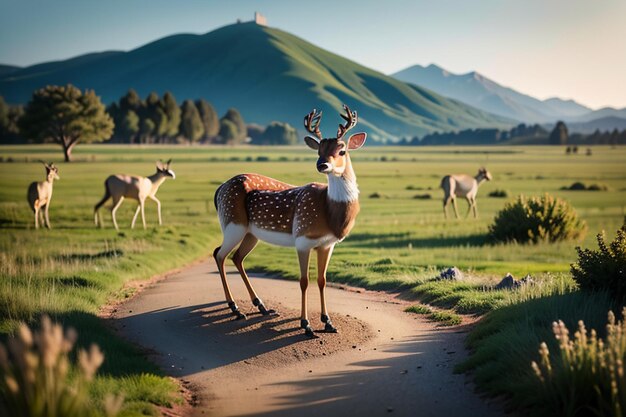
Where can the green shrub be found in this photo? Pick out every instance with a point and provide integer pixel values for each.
(604, 268)
(537, 219)
(498, 194)
(586, 376)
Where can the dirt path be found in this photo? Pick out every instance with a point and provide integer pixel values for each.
(383, 361)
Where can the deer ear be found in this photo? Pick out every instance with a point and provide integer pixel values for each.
(159, 165)
(312, 142)
(169, 161)
(356, 141)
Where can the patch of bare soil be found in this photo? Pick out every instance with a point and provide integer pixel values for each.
(280, 331)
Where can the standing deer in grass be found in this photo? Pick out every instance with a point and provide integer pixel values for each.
(138, 188)
(40, 194)
(463, 185)
(315, 216)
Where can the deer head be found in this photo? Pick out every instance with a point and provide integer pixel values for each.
(164, 168)
(333, 152)
(483, 173)
(52, 172)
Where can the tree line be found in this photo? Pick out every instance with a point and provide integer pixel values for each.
(521, 134)
(65, 115)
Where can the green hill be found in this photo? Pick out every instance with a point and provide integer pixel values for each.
(266, 73)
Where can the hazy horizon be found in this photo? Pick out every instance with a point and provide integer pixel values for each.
(512, 44)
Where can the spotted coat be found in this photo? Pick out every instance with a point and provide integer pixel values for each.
(272, 205)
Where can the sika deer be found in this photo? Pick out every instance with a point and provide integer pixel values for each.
(138, 188)
(40, 194)
(463, 186)
(254, 207)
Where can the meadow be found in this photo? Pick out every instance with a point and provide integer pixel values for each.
(401, 241)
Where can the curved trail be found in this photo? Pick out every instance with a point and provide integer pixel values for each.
(383, 361)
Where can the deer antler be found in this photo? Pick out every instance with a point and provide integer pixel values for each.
(312, 123)
(351, 119)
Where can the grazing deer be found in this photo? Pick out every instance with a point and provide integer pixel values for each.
(254, 207)
(138, 188)
(40, 194)
(462, 186)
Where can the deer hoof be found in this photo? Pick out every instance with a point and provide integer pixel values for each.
(264, 311)
(308, 331)
(329, 328)
(239, 315)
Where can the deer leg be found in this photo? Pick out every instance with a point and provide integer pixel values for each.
(47, 217)
(233, 234)
(475, 208)
(469, 206)
(446, 201)
(158, 203)
(96, 209)
(142, 204)
(303, 258)
(36, 208)
(456, 211)
(323, 257)
(247, 245)
(132, 223)
(116, 205)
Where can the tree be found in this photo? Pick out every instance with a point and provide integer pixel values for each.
(129, 126)
(146, 129)
(255, 133)
(559, 134)
(131, 101)
(172, 112)
(279, 134)
(4, 114)
(155, 112)
(9, 118)
(67, 116)
(228, 132)
(209, 117)
(234, 116)
(191, 125)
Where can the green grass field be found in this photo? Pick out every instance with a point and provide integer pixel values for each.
(399, 243)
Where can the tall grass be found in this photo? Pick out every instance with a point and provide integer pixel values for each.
(586, 375)
(38, 379)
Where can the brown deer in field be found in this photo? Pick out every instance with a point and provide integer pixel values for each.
(315, 216)
(463, 185)
(137, 188)
(40, 194)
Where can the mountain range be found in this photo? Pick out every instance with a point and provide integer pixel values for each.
(266, 73)
(481, 92)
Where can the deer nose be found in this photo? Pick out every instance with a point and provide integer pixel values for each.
(323, 167)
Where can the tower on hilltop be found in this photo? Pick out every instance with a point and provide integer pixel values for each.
(259, 19)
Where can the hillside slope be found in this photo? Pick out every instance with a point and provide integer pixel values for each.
(267, 73)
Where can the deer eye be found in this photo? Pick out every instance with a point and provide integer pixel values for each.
(342, 153)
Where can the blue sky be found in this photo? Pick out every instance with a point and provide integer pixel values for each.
(566, 48)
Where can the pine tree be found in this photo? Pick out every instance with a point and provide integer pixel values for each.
(209, 117)
(172, 112)
(66, 116)
(235, 117)
(559, 134)
(191, 125)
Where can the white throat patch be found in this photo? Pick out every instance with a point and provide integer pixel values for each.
(342, 190)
